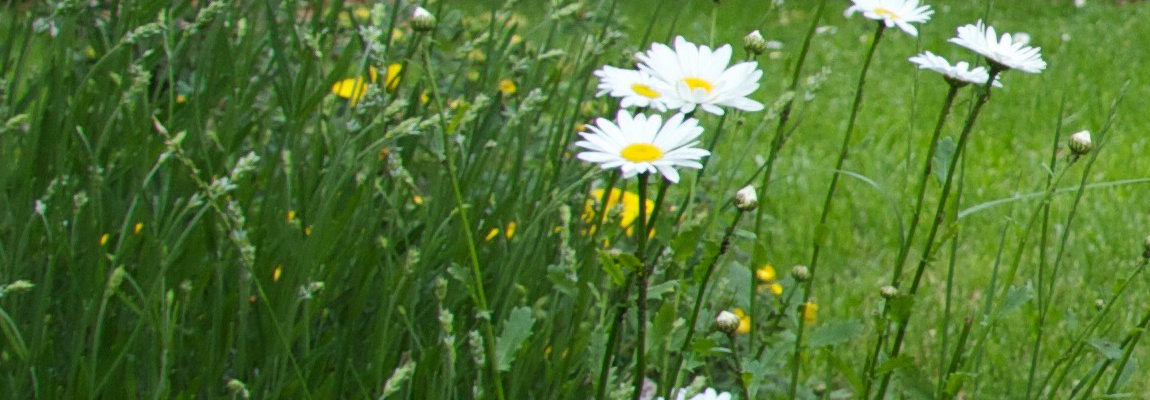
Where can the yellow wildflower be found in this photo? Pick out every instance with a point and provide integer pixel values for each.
(510, 230)
(417, 200)
(136, 229)
(766, 273)
(775, 289)
(629, 201)
(354, 88)
(492, 234)
(290, 215)
(810, 311)
(392, 78)
(507, 87)
(744, 322)
(104, 239)
(276, 274)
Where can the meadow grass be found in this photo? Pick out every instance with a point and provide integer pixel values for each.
(191, 210)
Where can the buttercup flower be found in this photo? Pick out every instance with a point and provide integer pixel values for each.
(744, 326)
(892, 12)
(630, 207)
(1001, 52)
(642, 143)
(694, 75)
(636, 88)
(959, 73)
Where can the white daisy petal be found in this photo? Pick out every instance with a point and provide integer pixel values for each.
(640, 143)
(899, 13)
(1002, 52)
(693, 76)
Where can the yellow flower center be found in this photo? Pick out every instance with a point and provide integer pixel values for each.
(644, 90)
(882, 12)
(698, 83)
(641, 152)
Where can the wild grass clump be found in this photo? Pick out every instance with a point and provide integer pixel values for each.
(569, 200)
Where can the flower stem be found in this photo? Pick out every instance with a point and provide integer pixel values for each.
(820, 229)
(738, 365)
(465, 223)
(641, 284)
(908, 239)
(939, 216)
(694, 318)
(777, 145)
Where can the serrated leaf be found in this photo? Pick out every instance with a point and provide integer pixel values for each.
(941, 160)
(835, 333)
(516, 329)
(611, 268)
(657, 292)
(1106, 348)
(1016, 296)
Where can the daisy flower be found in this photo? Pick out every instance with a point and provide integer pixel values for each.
(709, 394)
(958, 74)
(892, 12)
(696, 76)
(1001, 52)
(642, 143)
(636, 88)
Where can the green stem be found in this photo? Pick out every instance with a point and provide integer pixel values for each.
(939, 216)
(641, 284)
(738, 365)
(694, 318)
(1133, 338)
(820, 229)
(479, 296)
(908, 239)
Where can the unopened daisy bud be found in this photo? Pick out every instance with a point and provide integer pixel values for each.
(1099, 304)
(727, 322)
(746, 199)
(801, 273)
(755, 43)
(888, 292)
(1080, 143)
(422, 20)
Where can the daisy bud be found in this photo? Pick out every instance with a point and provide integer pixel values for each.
(422, 20)
(801, 273)
(727, 322)
(888, 292)
(1080, 143)
(746, 199)
(1099, 304)
(755, 43)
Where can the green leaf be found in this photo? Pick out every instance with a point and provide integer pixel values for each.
(941, 161)
(516, 329)
(611, 268)
(899, 307)
(12, 333)
(1106, 348)
(703, 346)
(1016, 296)
(656, 292)
(887, 366)
(629, 261)
(835, 333)
(683, 246)
(914, 383)
(661, 326)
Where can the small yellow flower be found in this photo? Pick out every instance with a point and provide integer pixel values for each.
(507, 87)
(473, 75)
(181, 99)
(276, 274)
(580, 127)
(776, 289)
(630, 202)
(744, 322)
(90, 52)
(104, 239)
(423, 99)
(396, 34)
(515, 39)
(307, 231)
(361, 13)
(492, 234)
(766, 273)
(136, 229)
(350, 88)
(510, 230)
(290, 215)
(417, 200)
(810, 311)
(392, 78)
